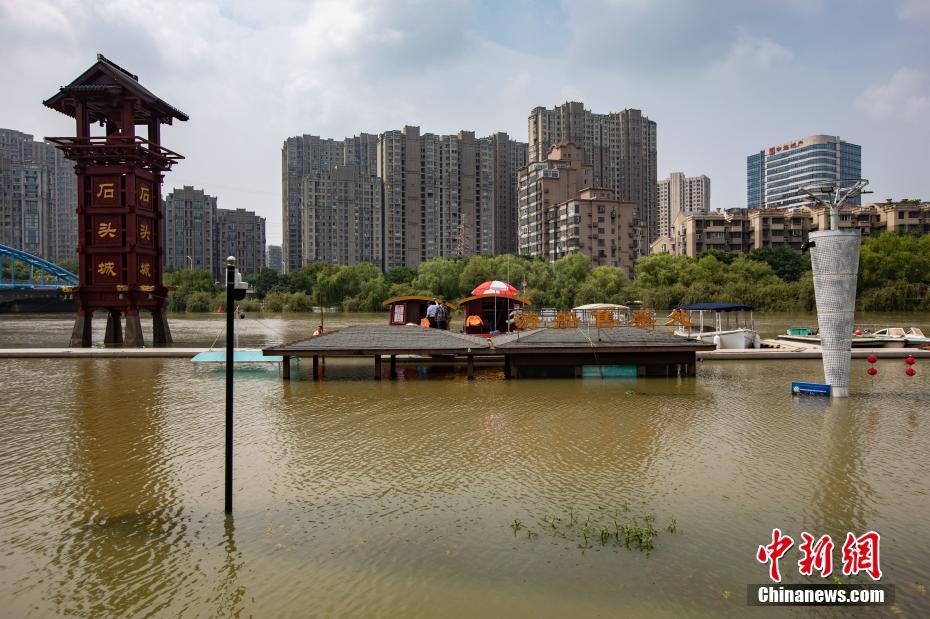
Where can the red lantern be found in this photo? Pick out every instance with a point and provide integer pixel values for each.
(910, 361)
(910, 371)
(857, 332)
(873, 371)
(872, 359)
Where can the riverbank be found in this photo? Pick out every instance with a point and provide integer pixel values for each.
(262, 330)
(751, 354)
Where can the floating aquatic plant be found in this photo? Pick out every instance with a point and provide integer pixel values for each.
(631, 532)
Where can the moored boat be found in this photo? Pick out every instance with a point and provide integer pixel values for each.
(897, 336)
(587, 313)
(916, 337)
(727, 325)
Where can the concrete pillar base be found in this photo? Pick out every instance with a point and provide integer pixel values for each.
(80, 334)
(839, 392)
(134, 338)
(114, 332)
(161, 333)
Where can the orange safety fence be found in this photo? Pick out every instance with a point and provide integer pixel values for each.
(604, 319)
(680, 317)
(643, 319)
(566, 321)
(526, 320)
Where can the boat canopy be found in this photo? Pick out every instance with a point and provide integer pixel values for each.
(594, 307)
(718, 307)
(503, 297)
(411, 297)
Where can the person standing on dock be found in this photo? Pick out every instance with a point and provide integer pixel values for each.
(431, 313)
(442, 316)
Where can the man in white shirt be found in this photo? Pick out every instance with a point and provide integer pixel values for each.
(431, 314)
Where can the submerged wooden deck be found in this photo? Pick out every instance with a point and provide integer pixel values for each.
(536, 353)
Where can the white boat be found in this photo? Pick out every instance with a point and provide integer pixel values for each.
(916, 337)
(620, 313)
(717, 323)
(894, 336)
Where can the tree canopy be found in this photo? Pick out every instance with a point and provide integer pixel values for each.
(894, 274)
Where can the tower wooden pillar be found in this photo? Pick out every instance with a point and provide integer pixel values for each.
(120, 214)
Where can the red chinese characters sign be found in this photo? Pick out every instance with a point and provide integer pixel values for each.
(145, 232)
(778, 149)
(106, 230)
(860, 554)
(146, 270)
(105, 191)
(107, 269)
(144, 197)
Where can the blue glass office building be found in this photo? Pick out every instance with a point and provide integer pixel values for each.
(775, 175)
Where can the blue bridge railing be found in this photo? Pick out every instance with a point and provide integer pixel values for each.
(42, 273)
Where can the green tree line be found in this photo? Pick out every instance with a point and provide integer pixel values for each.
(894, 274)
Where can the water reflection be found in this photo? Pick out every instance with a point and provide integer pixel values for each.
(843, 497)
(229, 593)
(126, 540)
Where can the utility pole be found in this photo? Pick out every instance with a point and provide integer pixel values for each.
(230, 359)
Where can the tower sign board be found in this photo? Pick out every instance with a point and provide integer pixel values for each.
(120, 216)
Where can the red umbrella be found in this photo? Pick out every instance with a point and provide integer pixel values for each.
(495, 287)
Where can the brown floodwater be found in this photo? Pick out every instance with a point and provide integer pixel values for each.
(387, 499)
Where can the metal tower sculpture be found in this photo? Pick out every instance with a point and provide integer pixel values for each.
(120, 218)
(835, 262)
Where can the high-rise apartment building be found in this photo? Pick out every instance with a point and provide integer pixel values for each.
(681, 194)
(443, 196)
(238, 233)
(305, 154)
(38, 198)
(190, 222)
(775, 175)
(198, 235)
(274, 258)
(404, 204)
(562, 212)
(620, 147)
(510, 157)
(341, 216)
(437, 196)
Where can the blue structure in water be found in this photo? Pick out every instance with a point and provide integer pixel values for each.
(799, 388)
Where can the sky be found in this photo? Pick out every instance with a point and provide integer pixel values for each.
(722, 79)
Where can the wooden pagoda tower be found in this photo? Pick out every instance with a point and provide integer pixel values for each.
(119, 207)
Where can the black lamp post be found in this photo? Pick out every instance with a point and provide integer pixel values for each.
(230, 357)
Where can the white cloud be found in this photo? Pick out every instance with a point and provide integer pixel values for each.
(753, 52)
(39, 17)
(918, 10)
(905, 96)
(253, 73)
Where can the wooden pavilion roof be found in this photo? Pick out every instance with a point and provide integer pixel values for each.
(96, 88)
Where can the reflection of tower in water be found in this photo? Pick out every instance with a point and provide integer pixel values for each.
(123, 553)
(842, 496)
